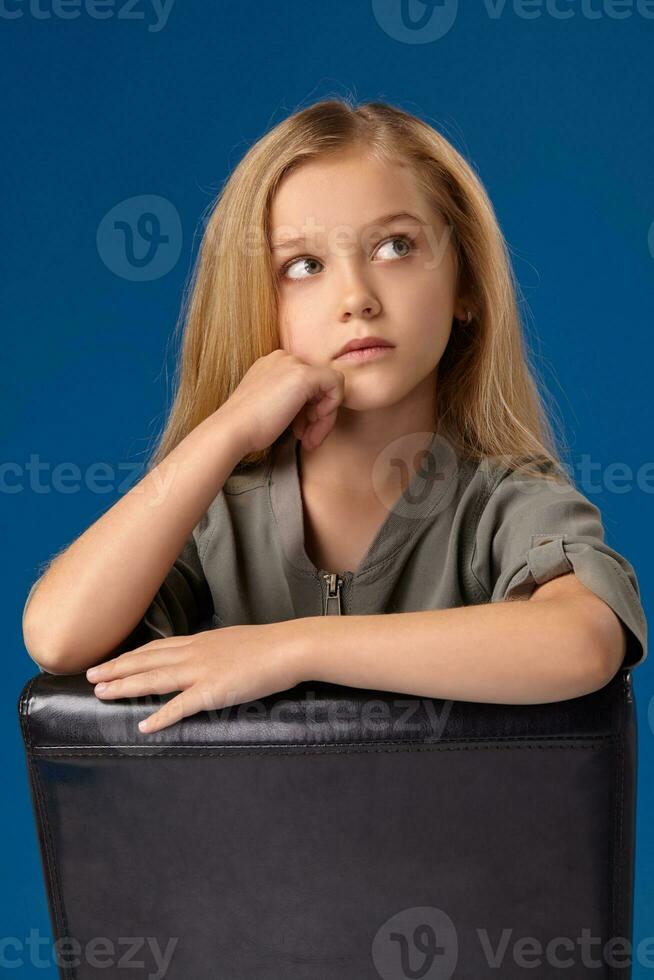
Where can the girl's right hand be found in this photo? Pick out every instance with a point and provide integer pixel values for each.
(279, 389)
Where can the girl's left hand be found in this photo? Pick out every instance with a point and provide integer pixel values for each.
(211, 669)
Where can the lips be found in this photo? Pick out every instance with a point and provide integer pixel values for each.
(361, 343)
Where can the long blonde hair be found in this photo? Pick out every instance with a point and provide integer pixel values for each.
(488, 402)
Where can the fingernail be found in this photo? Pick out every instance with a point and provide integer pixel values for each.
(100, 687)
(93, 672)
(143, 725)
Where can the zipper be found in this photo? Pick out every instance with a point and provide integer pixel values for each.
(331, 605)
(334, 590)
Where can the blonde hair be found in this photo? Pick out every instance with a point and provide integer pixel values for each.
(488, 401)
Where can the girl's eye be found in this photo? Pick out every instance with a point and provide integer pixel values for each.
(408, 242)
(302, 263)
(306, 260)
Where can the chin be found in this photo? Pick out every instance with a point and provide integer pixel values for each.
(363, 400)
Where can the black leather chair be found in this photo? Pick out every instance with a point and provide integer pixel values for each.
(331, 833)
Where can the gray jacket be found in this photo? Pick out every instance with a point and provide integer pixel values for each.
(462, 533)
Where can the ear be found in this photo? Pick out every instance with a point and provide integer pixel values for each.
(461, 309)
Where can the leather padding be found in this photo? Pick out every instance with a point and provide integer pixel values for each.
(323, 832)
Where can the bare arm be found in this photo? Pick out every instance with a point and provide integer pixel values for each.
(95, 593)
(565, 645)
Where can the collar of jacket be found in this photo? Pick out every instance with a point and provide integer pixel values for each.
(427, 493)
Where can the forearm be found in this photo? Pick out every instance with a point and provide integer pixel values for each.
(93, 594)
(515, 652)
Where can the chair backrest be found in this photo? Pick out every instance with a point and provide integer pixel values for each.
(332, 832)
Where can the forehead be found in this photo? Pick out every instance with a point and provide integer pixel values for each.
(346, 189)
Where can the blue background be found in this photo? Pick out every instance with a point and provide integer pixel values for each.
(554, 113)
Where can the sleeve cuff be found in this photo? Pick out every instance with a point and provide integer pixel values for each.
(551, 556)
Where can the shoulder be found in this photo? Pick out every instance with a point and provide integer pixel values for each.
(515, 492)
(521, 517)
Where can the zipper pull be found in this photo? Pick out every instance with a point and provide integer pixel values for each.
(333, 596)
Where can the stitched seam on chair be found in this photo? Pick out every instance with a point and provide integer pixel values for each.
(55, 886)
(330, 749)
(472, 740)
(382, 742)
(621, 824)
(24, 713)
(619, 843)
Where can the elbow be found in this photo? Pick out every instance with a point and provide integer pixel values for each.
(603, 647)
(51, 670)
(46, 650)
(46, 644)
(38, 635)
(46, 662)
(65, 656)
(47, 659)
(34, 644)
(613, 647)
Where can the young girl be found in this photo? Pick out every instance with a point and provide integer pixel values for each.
(361, 517)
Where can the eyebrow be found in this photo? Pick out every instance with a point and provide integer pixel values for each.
(384, 219)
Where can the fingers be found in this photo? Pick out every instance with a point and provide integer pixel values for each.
(159, 680)
(188, 702)
(331, 399)
(135, 660)
(300, 424)
(318, 415)
(320, 429)
(304, 427)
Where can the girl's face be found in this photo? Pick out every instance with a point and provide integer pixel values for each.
(357, 271)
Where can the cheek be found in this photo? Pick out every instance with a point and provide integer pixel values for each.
(285, 328)
(297, 335)
(430, 327)
(432, 310)
(432, 296)
(290, 338)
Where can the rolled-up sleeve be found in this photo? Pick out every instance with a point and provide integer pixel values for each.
(534, 529)
(182, 605)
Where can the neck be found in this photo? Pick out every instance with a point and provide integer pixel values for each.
(364, 459)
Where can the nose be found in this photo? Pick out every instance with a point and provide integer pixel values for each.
(358, 302)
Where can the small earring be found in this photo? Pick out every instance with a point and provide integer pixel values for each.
(467, 320)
